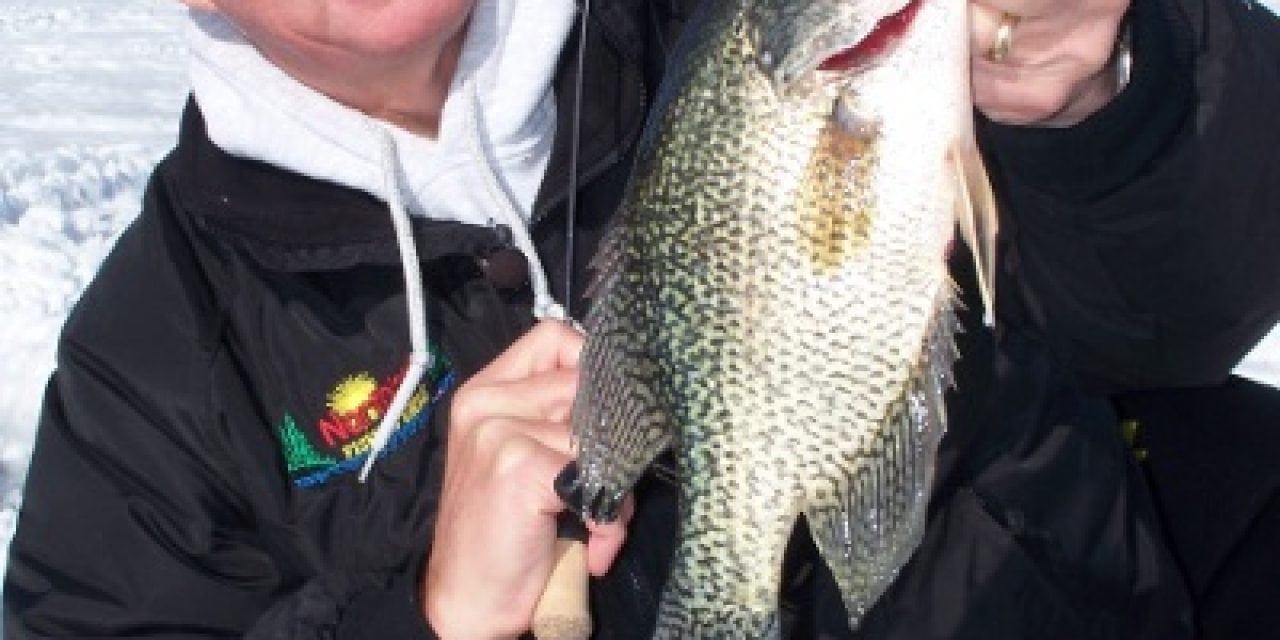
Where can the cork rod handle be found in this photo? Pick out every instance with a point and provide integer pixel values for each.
(562, 612)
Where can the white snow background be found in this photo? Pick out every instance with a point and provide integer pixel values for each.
(90, 92)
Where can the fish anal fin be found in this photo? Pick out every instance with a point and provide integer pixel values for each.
(867, 524)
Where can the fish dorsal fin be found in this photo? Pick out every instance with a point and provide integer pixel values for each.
(621, 420)
(977, 216)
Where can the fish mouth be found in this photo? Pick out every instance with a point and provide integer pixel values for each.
(887, 32)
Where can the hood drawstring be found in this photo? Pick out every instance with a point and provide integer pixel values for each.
(544, 305)
(419, 356)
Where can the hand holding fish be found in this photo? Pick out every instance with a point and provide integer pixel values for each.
(1045, 62)
(508, 438)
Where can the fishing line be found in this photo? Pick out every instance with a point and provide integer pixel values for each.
(571, 209)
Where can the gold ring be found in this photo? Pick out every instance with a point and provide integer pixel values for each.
(1003, 41)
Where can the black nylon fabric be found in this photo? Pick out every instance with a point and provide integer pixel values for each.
(1146, 260)
(1211, 457)
(1145, 256)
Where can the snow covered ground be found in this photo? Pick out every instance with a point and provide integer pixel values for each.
(90, 92)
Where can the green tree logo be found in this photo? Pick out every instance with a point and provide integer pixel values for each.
(299, 453)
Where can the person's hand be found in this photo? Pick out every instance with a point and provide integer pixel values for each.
(1056, 66)
(495, 529)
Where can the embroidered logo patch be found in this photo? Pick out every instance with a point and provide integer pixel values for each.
(340, 440)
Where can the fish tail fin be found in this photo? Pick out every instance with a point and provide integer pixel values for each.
(867, 528)
(976, 212)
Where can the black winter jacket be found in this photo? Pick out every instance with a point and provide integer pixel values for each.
(1141, 247)
(194, 477)
(1142, 239)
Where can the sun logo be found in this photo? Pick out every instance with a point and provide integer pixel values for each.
(357, 404)
(352, 395)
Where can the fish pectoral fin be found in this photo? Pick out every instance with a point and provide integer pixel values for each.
(977, 215)
(867, 523)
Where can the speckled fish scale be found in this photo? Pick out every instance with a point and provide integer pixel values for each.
(774, 303)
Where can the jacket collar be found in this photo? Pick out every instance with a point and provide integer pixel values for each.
(292, 222)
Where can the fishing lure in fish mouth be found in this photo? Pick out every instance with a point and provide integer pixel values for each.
(773, 303)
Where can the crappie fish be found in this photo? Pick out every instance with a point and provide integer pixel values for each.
(773, 302)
